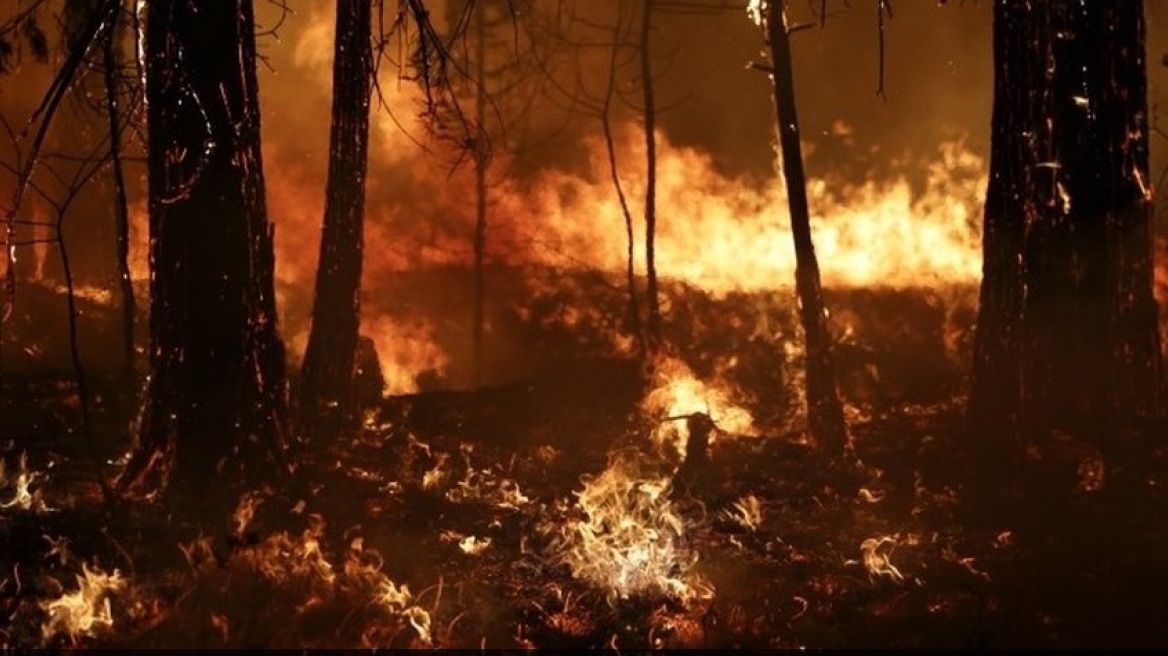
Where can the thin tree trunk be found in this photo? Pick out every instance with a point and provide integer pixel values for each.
(327, 396)
(217, 394)
(480, 162)
(614, 173)
(654, 336)
(121, 209)
(824, 410)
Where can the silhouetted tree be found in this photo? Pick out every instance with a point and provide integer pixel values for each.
(217, 393)
(1067, 327)
(327, 398)
(112, 65)
(824, 410)
(651, 294)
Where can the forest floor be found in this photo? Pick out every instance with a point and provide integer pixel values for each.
(540, 513)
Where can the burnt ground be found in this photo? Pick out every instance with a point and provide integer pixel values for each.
(893, 548)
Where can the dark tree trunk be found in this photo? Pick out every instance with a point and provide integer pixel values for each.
(327, 397)
(217, 392)
(824, 411)
(614, 173)
(1067, 328)
(651, 294)
(481, 162)
(112, 64)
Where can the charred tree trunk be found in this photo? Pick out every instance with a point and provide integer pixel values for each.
(217, 393)
(1067, 327)
(824, 411)
(112, 65)
(327, 398)
(652, 300)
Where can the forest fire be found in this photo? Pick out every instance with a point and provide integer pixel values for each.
(504, 324)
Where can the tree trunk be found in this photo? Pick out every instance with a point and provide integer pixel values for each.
(327, 398)
(480, 164)
(112, 64)
(217, 392)
(824, 411)
(1067, 327)
(654, 305)
(614, 173)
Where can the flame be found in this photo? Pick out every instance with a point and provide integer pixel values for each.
(470, 545)
(364, 579)
(85, 611)
(677, 395)
(746, 512)
(754, 11)
(728, 234)
(24, 496)
(245, 512)
(629, 540)
(718, 232)
(476, 485)
(877, 558)
(296, 570)
(405, 349)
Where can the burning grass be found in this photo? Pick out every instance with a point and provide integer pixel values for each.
(559, 511)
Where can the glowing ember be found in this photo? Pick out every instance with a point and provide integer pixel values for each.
(85, 611)
(630, 540)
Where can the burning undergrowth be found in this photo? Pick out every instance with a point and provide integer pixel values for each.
(567, 508)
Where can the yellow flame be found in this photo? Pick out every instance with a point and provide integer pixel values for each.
(245, 512)
(754, 10)
(629, 540)
(746, 512)
(877, 555)
(85, 611)
(677, 394)
(24, 496)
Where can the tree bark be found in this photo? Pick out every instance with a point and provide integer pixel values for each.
(824, 410)
(327, 397)
(480, 163)
(614, 174)
(1067, 335)
(651, 293)
(112, 65)
(217, 391)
